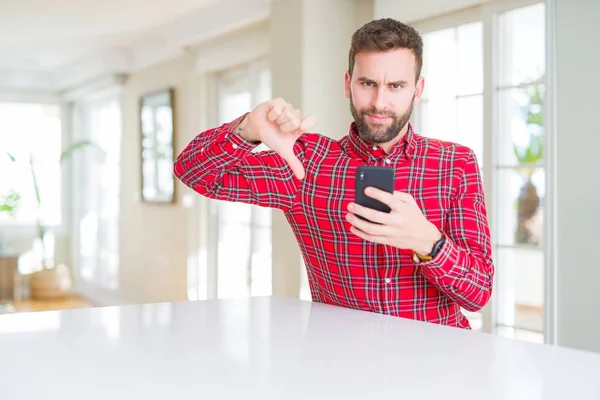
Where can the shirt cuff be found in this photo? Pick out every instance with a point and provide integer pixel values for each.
(233, 144)
(445, 263)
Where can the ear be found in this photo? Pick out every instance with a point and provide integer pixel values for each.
(419, 90)
(347, 84)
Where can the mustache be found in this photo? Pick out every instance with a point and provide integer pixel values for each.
(372, 111)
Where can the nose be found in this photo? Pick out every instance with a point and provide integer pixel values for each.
(379, 101)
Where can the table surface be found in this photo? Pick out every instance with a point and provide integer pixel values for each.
(273, 348)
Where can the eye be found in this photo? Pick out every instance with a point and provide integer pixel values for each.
(368, 83)
(396, 86)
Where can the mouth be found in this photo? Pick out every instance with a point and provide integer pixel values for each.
(378, 118)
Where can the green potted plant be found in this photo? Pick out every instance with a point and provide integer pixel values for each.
(528, 202)
(9, 204)
(52, 280)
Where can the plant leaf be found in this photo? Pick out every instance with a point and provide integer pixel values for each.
(66, 153)
(35, 184)
(10, 202)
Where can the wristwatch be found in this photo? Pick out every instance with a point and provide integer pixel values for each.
(437, 246)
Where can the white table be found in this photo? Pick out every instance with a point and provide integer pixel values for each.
(273, 348)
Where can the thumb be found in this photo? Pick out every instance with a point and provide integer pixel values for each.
(294, 163)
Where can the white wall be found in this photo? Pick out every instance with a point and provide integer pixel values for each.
(407, 11)
(578, 186)
(153, 238)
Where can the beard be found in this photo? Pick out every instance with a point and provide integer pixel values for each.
(379, 133)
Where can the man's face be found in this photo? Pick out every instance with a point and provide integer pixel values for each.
(382, 93)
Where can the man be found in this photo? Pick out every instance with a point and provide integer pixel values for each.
(428, 257)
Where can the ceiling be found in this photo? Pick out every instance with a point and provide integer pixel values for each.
(43, 34)
(51, 45)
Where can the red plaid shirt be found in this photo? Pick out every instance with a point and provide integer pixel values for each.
(343, 269)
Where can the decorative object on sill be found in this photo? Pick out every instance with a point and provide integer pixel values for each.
(157, 148)
(529, 218)
(51, 281)
(6, 307)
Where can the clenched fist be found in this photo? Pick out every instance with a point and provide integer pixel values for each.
(278, 125)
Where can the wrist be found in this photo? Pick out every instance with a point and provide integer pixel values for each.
(243, 131)
(426, 245)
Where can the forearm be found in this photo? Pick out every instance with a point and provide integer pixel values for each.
(203, 164)
(245, 133)
(220, 164)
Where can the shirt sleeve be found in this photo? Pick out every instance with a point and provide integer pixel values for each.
(463, 269)
(221, 165)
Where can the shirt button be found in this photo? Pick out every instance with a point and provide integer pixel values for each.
(375, 147)
(388, 161)
(235, 146)
(388, 280)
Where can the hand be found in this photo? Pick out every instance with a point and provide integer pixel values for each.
(278, 125)
(404, 227)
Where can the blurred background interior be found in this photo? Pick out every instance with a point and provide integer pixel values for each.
(97, 98)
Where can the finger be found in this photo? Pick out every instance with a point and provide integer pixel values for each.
(295, 164)
(276, 107)
(289, 113)
(368, 227)
(367, 237)
(384, 197)
(293, 122)
(307, 123)
(369, 213)
(407, 198)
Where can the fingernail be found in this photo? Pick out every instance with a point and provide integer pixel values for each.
(351, 207)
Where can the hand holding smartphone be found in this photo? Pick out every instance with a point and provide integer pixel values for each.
(378, 177)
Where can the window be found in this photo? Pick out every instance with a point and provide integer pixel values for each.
(31, 132)
(97, 192)
(452, 104)
(520, 173)
(244, 231)
(457, 79)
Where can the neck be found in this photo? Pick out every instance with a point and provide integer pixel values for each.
(387, 146)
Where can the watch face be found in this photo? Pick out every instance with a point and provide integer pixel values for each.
(438, 245)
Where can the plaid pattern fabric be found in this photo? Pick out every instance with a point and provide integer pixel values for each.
(343, 269)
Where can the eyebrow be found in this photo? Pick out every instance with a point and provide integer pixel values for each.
(365, 79)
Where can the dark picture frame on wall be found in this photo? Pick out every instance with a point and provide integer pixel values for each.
(157, 132)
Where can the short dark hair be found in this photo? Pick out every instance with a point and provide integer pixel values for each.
(383, 35)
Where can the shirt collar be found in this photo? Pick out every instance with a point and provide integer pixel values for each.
(368, 151)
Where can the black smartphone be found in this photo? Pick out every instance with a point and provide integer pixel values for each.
(379, 177)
